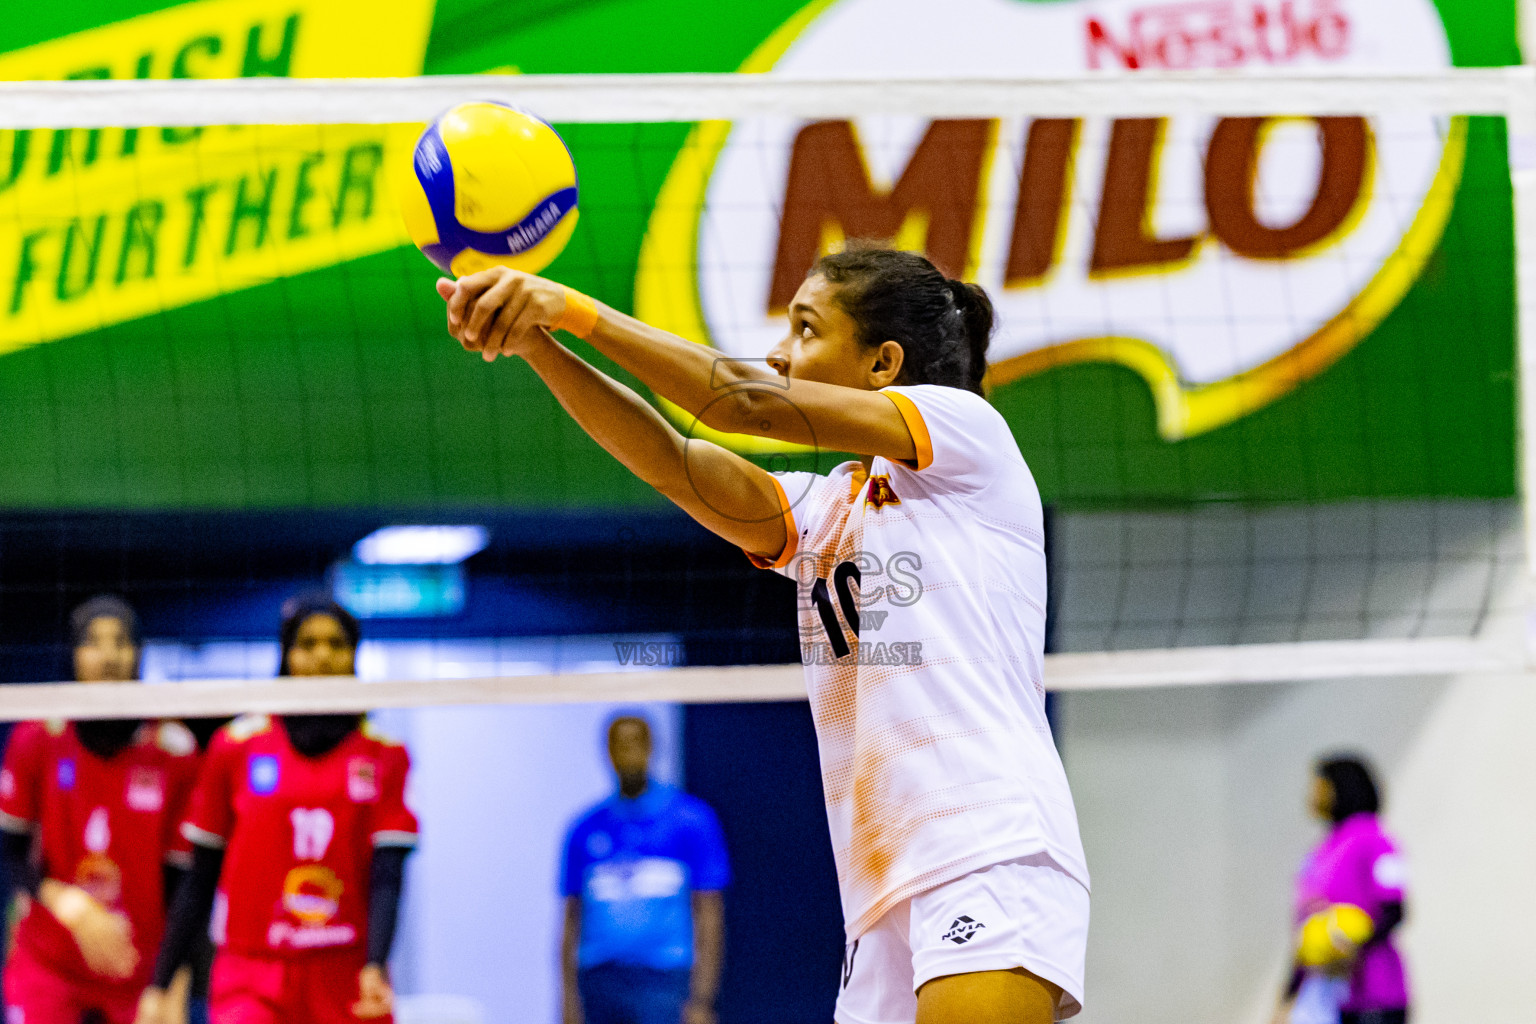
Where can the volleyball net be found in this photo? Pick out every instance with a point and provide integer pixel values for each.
(1260, 338)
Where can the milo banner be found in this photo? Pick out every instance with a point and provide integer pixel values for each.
(1190, 307)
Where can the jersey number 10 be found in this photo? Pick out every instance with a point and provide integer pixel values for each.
(843, 577)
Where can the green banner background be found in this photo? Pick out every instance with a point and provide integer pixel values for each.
(340, 388)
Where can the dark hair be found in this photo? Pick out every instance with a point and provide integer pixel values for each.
(629, 718)
(943, 326)
(305, 606)
(103, 606)
(105, 737)
(1354, 786)
(315, 735)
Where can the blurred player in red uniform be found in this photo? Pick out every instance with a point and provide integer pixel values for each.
(89, 816)
(300, 833)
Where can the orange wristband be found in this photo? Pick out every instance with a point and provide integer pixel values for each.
(579, 316)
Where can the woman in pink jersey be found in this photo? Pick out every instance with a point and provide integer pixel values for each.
(921, 568)
(1357, 864)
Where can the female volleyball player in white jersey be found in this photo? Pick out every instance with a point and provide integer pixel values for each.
(922, 574)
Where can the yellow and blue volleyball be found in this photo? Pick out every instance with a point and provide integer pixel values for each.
(1330, 937)
(489, 185)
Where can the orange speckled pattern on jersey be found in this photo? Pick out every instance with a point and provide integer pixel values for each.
(921, 623)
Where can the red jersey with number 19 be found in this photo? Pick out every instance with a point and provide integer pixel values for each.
(299, 834)
(108, 825)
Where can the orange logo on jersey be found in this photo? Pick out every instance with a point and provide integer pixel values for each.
(880, 493)
(312, 893)
(100, 876)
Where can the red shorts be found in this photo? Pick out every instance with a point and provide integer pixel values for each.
(37, 994)
(316, 988)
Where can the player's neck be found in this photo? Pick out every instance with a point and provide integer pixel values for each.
(107, 738)
(315, 736)
(633, 789)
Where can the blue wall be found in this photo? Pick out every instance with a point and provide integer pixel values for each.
(756, 765)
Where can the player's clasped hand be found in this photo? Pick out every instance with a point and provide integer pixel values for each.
(376, 997)
(496, 312)
(104, 936)
(154, 1007)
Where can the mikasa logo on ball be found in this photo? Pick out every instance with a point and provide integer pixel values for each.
(526, 236)
(1226, 260)
(489, 185)
(429, 156)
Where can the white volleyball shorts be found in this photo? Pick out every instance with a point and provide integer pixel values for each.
(1023, 913)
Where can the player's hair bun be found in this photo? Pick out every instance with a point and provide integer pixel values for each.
(942, 326)
(976, 309)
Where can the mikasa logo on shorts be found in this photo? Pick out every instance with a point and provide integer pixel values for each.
(962, 930)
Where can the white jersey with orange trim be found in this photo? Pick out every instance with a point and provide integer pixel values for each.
(922, 629)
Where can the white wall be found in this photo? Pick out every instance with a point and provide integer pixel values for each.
(496, 789)
(1192, 806)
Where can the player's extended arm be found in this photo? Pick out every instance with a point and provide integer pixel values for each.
(732, 497)
(180, 990)
(171, 877)
(490, 311)
(386, 881)
(16, 857)
(708, 956)
(570, 942)
(190, 910)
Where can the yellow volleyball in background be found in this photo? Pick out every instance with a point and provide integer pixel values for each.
(1332, 936)
(488, 185)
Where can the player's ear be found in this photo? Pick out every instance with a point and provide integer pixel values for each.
(886, 369)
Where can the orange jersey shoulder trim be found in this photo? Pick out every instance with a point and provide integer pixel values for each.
(916, 427)
(791, 533)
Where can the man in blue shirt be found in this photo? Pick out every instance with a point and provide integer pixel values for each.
(644, 921)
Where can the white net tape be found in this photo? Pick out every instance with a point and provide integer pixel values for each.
(1509, 92)
(1194, 666)
(1497, 645)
